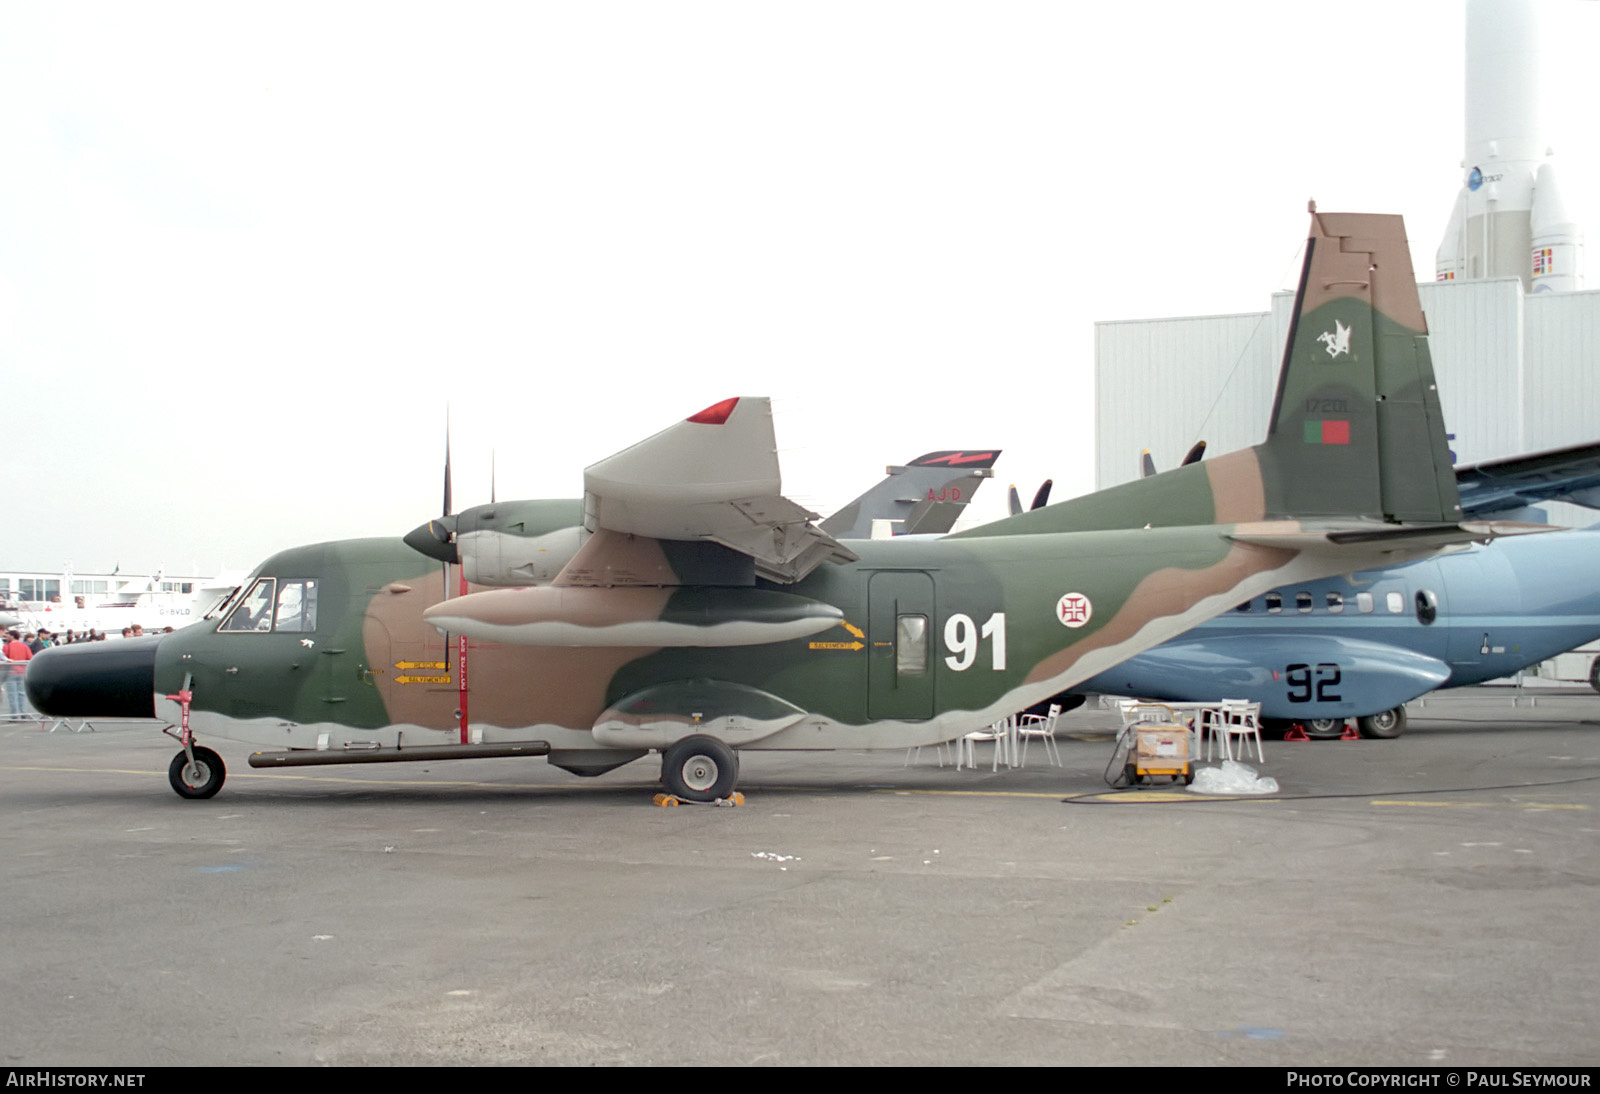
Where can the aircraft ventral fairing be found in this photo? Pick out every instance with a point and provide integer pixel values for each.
(703, 613)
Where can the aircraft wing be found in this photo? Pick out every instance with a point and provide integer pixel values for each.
(711, 479)
(1560, 474)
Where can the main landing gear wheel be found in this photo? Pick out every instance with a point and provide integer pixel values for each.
(700, 769)
(1594, 674)
(1324, 729)
(200, 779)
(1385, 726)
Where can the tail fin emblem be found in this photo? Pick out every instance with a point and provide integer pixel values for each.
(1337, 340)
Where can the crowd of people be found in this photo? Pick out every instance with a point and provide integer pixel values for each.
(20, 646)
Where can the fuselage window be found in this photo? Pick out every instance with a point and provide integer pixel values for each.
(1427, 607)
(1302, 602)
(254, 612)
(1395, 603)
(1243, 607)
(1336, 603)
(1364, 602)
(1274, 603)
(297, 606)
(911, 645)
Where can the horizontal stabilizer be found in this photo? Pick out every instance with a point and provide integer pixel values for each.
(1411, 537)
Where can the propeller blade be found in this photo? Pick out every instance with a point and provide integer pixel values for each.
(1195, 453)
(447, 509)
(1042, 498)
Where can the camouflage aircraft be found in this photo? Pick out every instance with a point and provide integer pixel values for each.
(706, 614)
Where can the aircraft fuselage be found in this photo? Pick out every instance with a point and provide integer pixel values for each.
(1356, 646)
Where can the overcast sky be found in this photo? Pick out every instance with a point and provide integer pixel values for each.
(249, 251)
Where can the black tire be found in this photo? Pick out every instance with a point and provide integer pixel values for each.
(1131, 773)
(1594, 674)
(1324, 729)
(1383, 727)
(1188, 777)
(202, 779)
(700, 769)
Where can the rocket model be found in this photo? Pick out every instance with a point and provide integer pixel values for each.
(1509, 219)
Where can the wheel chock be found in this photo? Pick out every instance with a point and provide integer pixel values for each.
(669, 800)
(1349, 733)
(1297, 732)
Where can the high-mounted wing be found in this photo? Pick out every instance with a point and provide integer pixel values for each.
(712, 478)
(698, 504)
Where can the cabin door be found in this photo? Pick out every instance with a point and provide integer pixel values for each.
(900, 645)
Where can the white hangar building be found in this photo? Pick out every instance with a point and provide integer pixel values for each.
(1517, 374)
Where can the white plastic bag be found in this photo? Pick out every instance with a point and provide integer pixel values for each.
(1232, 777)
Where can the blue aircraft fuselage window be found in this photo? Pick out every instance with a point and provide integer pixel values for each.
(1427, 607)
(1243, 607)
(254, 612)
(1364, 603)
(1274, 603)
(1336, 603)
(1395, 603)
(1302, 602)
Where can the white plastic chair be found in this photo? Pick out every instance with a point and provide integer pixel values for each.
(1042, 726)
(1241, 719)
(915, 752)
(1211, 724)
(1001, 733)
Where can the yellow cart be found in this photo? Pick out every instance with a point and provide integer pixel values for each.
(1158, 742)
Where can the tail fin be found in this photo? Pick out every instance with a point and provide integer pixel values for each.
(1356, 428)
(926, 495)
(1356, 425)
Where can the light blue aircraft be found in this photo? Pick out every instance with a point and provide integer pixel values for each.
(1364, 645)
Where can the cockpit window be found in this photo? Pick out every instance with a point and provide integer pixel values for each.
(254, 612)
(297, 606)
(288, 605)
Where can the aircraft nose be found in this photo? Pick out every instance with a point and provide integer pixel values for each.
(113, 679)
(434, 539)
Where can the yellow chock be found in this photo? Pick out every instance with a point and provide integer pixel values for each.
(665, 800)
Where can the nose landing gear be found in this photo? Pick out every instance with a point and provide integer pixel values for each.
(196, 771)
(197, 777)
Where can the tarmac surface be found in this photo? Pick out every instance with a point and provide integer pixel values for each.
(1433, 900)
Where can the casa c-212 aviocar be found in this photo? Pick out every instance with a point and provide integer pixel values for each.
(703, 614)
